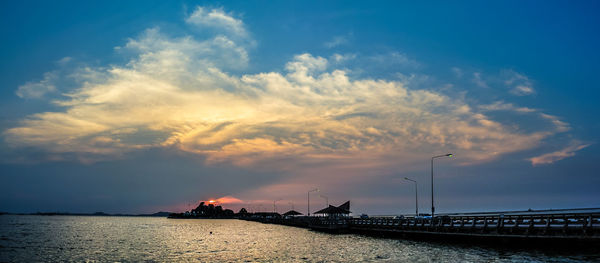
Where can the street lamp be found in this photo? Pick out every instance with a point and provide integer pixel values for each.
(308, 195)
(292, 204)
(416, 196)
(439, 156)
(275, 210)
(326, 200)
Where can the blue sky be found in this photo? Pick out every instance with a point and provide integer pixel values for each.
(145, 106)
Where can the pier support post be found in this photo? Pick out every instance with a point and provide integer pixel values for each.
(485, 224)
(530, 229)
(566, 225)
(500, 224)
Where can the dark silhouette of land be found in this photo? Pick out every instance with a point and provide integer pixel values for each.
(217, 212)
(208, 211)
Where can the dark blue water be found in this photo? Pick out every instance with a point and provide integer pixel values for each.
(127, 239)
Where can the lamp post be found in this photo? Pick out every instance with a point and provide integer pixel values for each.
(326, 200)
(416, 196)
(438, 156)
(292, 204)
(308, 195)
(274, 209)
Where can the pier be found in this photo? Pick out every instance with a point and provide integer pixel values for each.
(563, 228)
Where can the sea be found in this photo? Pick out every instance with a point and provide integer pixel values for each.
(32, 238)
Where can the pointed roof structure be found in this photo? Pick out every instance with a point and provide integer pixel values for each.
(345, 205)
(292, 213)
(343, 209)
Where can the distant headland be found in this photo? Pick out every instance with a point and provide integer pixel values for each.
(209, 211)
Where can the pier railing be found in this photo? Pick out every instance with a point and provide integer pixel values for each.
(550, 228)
(555, 224)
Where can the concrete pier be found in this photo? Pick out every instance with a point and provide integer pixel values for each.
(565, 228)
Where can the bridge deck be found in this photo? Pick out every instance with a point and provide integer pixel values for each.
(564, 228)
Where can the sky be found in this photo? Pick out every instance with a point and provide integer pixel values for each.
(149, 106)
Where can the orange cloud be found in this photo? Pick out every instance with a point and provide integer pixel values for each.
(225, 200)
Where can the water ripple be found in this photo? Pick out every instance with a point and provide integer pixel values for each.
(126, 239)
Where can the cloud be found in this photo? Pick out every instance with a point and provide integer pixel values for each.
(162, 55)
(394, 59)
(522, 90)
(336, 41)
(217, 18)
(226, 200)
(479, 81)
(552, 157)
(64, 61)
(37, 90)
(458, 72)
(519, 84)
(175, 93)
(561, 126)
(339, 58)
(499, 106)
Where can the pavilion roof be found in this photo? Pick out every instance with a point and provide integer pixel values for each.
(342, 209)
(292, 213)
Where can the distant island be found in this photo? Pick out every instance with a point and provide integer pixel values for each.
(209, 211)
(212, 211)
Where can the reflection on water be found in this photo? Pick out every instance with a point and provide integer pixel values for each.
(103, 239)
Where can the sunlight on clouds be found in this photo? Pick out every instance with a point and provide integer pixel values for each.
(552, 157)
(227, 200)
(175, 92)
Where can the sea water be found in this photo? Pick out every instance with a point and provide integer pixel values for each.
(150, 239)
